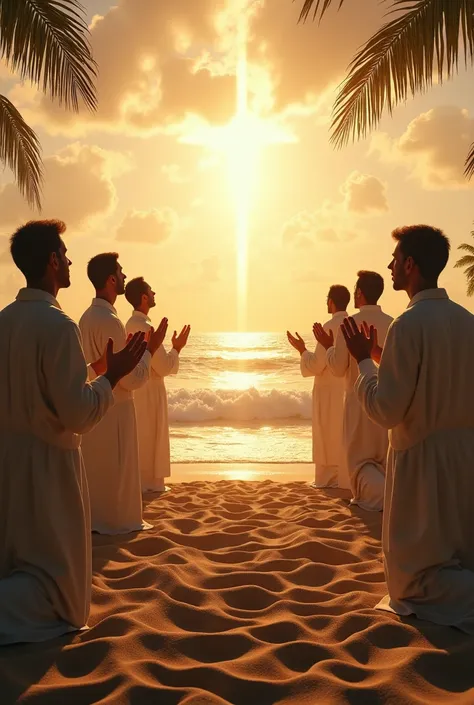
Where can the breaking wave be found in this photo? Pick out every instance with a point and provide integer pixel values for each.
(207, 405)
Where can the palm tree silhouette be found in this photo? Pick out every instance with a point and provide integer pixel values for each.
(467, 262)
(421, 40)
(45, 42)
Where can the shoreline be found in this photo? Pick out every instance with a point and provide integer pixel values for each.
(249, 472)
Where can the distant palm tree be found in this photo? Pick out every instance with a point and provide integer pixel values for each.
(467, 262)
(45, 42)
(424, 39)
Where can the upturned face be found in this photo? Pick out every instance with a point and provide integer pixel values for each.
(151, 297)
(401, 268)
(61, 264)
(120, 279)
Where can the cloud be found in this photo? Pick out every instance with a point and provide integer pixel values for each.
(153, 226)
(336, 221)
(174, 173)
(78, 186)
(433, 148)
(178, 59)
(210, 269)
(364, 194)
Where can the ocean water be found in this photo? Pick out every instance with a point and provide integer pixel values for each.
(240, 397)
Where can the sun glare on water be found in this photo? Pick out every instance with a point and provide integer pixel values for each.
(242, 141)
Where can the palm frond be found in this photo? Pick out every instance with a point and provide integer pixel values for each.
(469, 274)
(319, 7)
(20, 150)
(46, 42)
(469, 170)
(467, 248)
(425, 39)
(465, 261)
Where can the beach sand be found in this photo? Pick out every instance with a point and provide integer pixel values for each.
(247, 593)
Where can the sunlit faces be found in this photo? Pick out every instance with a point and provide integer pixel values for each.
(120, 278)
(150, 294)
(61, 264)
(400, 268)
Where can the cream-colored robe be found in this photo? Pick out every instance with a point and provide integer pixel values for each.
(111, 449)
(328, 410)
(423, 392)
(45, 404)
(151, 406)
(365, 443)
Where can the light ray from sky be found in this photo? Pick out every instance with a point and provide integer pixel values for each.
(242, 141)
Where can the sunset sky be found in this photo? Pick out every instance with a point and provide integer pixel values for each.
(159, 176)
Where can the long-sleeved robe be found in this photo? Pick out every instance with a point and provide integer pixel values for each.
(151, 406)
(365, 442)
(46, 402)
(328, 409)
(111, 449)
(423, 393)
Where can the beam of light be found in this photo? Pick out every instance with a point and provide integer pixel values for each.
(242, 141)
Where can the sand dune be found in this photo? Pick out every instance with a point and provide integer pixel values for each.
(245, 593)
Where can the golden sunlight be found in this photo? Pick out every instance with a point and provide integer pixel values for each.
(242, 141)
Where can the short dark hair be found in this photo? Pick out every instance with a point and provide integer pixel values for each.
(429, 247)
(340, 296)
(371, 285)
(32, 245)
(101, 267)
(135, 290)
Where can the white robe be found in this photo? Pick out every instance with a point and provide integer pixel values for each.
(328, 409)
(111, 449)
(424, 393)
(365, 443)
(46, 402)
(151, 406)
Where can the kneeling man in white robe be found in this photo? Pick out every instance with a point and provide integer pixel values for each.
(328, 398)
(111, 449)
(365, 442)
(151, 402)
(45, 404)
(423, 392)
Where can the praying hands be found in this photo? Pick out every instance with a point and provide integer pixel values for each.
(323, 338)
(358, 343)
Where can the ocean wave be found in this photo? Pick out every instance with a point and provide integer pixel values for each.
(225, 364)
(200, 405)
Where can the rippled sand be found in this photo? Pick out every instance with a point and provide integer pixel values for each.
(247, 593)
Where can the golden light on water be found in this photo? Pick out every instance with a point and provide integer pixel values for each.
(242, 142)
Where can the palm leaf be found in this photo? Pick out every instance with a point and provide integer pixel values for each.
(400, 59)
(318, 7)
(20, 150)
(469, 274)
(467, 248)
(465, 261)
(469, 170)
(46, 42)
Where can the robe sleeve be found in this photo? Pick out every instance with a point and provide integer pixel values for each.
(313, 364)
(164, 363)
(386, 392)
(338, 358)
(79, 404)
(140, 375)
